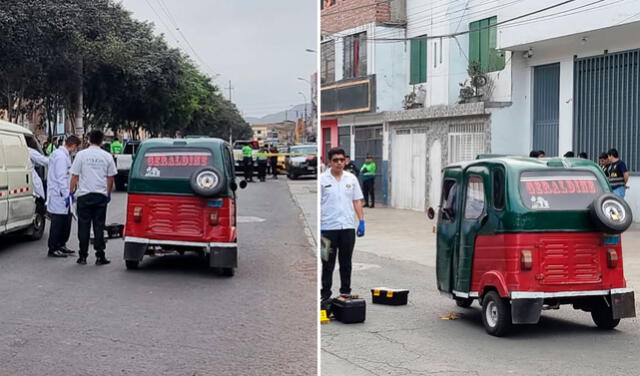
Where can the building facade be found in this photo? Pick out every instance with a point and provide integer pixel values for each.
(478, 77)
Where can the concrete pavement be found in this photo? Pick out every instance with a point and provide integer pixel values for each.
(305, 194)
(399, 251)
(173, 316)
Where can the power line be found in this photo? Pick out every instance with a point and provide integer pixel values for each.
(165, 9)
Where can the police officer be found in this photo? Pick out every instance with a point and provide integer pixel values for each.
(617, 173)
(247, 162)
(92, 175)
(58, 203)
(261, 158)
(350, 166)
(368, 171)
(116, 146)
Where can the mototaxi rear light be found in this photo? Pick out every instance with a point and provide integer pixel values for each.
(612, 258)
(213, 218)
(526, 259)
(137, 214)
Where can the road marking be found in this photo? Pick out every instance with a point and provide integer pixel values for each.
(249, 219)
(360, 267)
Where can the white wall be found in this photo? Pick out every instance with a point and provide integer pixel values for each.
(389, 67)
(444, 78)
(565, 21)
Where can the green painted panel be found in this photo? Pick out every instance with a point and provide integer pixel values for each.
(447, 236)
(474, 41)
(418, 65)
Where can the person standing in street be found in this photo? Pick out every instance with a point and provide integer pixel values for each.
(92, 175)
(58, 202)
(273, 161)
(116, 146)
(51, 146)
(368, 172)
(261, 158)
(603, 161)
(617, 173)
(340, 204)
(247, 162)
(350, 166)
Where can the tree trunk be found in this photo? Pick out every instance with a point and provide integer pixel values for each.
(78, 101)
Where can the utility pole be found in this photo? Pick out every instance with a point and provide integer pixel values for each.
(230, 88)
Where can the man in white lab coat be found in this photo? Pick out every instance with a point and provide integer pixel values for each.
(37, 159)
(59, 197)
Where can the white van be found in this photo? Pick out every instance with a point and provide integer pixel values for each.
(18, 212)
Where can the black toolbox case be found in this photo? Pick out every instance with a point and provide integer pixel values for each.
(349, 310)
(384, 295)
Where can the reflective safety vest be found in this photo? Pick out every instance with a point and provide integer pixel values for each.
(247, 151)
(116, 147)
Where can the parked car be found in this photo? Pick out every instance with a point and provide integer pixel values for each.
(123, 163)
(182, 197)
(523, 234)
(19, 213)
(302, 160)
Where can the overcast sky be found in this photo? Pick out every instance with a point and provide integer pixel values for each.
(257, 44)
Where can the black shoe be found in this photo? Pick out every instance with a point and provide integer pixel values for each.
(82, 260)
(102, 261)
(67, 251)
(56, 253)
(372, 206)
(365, 206)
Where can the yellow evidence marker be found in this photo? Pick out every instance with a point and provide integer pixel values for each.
(323, 317)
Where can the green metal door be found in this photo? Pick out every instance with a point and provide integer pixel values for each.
(448, 222)
(472, 217)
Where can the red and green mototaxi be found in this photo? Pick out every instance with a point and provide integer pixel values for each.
(534, 241)
(167, 208)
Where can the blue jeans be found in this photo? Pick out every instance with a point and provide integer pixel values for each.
(620, 191)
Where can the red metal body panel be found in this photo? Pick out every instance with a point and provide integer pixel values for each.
(181, 218)
(562, 262)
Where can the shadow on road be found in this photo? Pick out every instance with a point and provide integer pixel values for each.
(175, 264)
(548, 327)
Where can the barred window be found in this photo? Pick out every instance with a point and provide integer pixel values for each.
(466, 141)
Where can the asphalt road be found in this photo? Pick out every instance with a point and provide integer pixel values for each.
(173, 316)
(415, 340)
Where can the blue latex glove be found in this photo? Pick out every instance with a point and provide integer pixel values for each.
(360, 231)
(68, 199)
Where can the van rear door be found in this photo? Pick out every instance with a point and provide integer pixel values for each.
(4, 189)
(22, 204)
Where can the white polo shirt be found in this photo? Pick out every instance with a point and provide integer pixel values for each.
(93, 165)
(336, 201)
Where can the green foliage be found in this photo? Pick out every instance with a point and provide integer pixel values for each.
(130, 77)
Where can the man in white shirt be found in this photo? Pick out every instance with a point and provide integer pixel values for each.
(58, 202)
(340, 203)
(92, 182)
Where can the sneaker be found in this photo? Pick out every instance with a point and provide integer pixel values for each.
(82, 260)
(56, 253)
(67, 250)
(102, 261)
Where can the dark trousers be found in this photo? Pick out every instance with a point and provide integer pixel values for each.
(274, 167)
(262, 170)
(342, 242)
(59, 231)
(368, 191)
(92, 210)
(247, 162)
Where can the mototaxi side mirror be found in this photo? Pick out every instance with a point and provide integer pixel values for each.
(233, 186)
(243, 184)
(431, 213)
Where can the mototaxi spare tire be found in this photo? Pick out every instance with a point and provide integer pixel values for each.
(610, 213)
(207, 181)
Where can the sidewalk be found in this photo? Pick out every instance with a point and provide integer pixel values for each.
(406, 235)
(305, 194)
